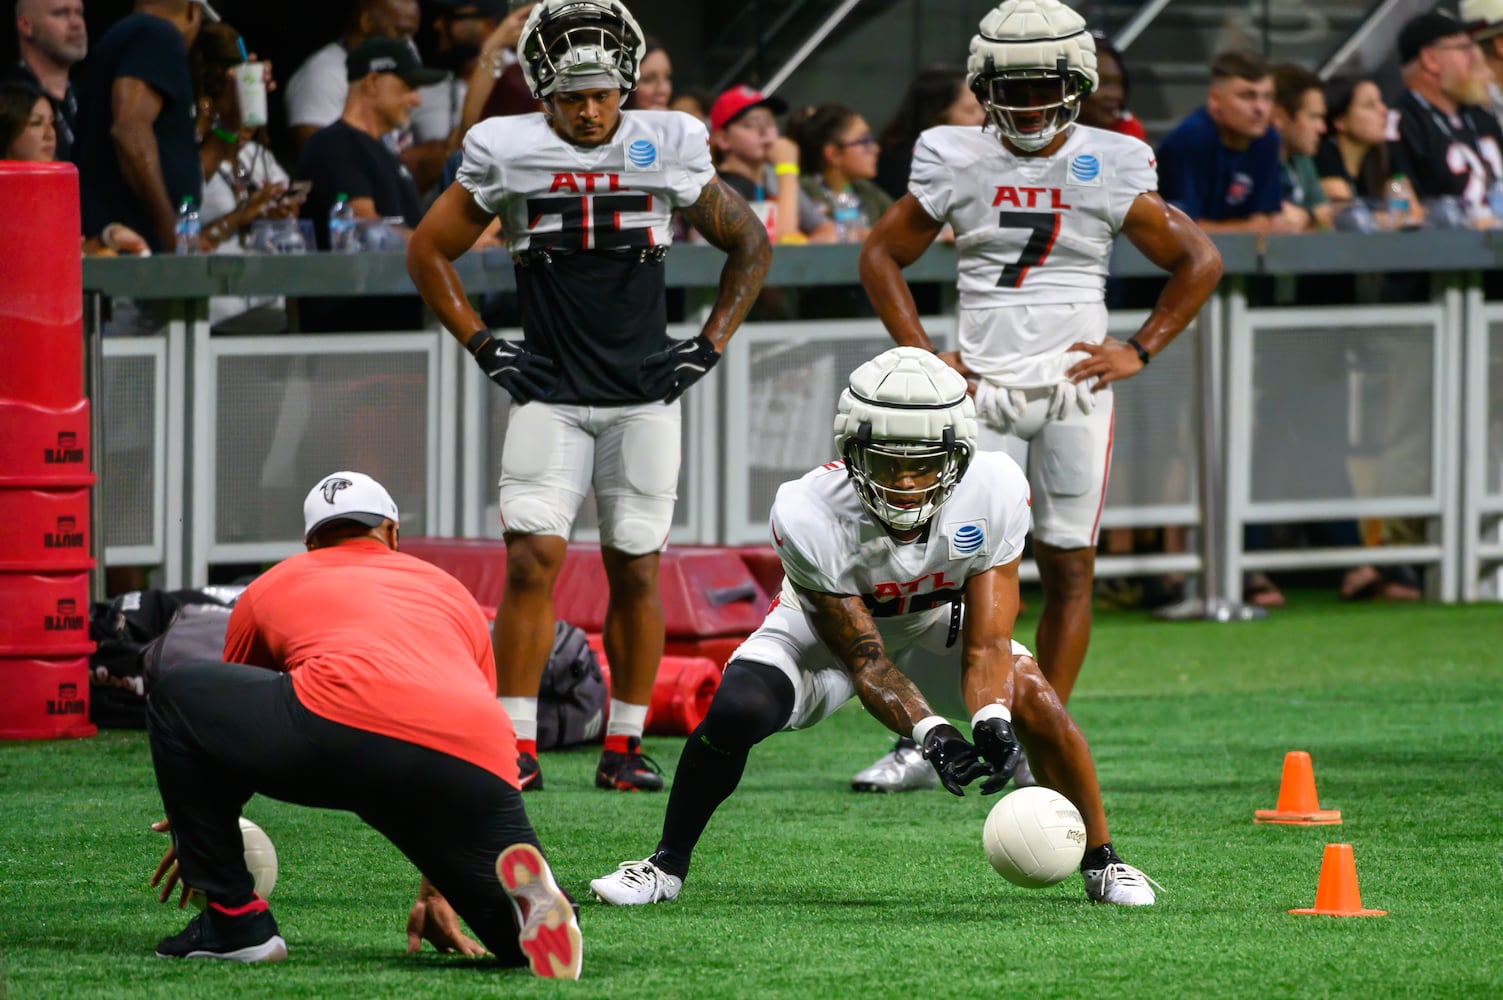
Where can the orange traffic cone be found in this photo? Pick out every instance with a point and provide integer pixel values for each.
(1297, 804)
(1336, 894)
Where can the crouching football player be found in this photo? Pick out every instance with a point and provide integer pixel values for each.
(901, 572)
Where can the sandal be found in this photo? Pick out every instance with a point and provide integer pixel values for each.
(1261, 591)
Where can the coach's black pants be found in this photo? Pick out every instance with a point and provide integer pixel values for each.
(221, 732)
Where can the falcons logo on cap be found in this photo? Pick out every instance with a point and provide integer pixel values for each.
(333, 486)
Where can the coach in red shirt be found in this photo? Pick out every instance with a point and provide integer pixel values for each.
(359, 678)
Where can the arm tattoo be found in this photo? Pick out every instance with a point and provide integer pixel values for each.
(723, 218)
(848, 630)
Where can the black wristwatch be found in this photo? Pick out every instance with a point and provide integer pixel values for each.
(1143, 354)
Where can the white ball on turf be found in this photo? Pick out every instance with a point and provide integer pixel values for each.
(260, 858)
(1034, 837)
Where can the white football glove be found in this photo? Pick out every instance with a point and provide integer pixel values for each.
(999, 406)
(1080, 395)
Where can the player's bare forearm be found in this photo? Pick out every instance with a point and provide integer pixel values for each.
(1171, 240)
(991, 609)
(450, 228)
(898, 239)
(723, 218)
(848, 630)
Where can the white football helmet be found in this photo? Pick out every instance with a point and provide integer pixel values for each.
(906, 406)
(1030, 66)
(581, 43)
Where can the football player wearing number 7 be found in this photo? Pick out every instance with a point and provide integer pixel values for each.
(1036, 202)
(585, 193)
(900, 584)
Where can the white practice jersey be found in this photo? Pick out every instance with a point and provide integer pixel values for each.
(829, 543)
(551, 193)
(1034, 238)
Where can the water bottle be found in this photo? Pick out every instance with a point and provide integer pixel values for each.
(846, 212)
(188, 228)
(1495, 200)
(342, 225)
(1397, 201)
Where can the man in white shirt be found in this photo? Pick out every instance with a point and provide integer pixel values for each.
(316, 93)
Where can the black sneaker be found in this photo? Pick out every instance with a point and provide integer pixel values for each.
(247, 936)
(630, 771)
(529, 775)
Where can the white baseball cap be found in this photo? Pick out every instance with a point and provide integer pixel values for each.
(347, 496)
(1484, 18)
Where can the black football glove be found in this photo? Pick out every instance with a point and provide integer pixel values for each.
(999, 747)
(666, 374)
(525, 375)
(953, 758)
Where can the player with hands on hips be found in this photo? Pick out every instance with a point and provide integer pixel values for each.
(586, 192)
(1036, 202)
(900, 586)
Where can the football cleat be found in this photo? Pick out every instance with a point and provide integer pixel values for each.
(1023, 776)
(248, 936)
(903, 769)
(636, 883)
(546, 926)
(630, 771)
(1120, 884)
(529, 775)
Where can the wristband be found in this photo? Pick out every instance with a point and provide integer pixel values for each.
(477, 340)
(1143, 354)
(786, 170)
(996, 710)
(926, 725)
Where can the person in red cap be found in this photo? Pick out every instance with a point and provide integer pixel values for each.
(356, 678)
(762, 166)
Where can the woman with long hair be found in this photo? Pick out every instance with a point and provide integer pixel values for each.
(936, 96)
(837, 160)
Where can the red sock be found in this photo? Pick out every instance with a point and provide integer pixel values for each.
(527, 747)
(616, 743)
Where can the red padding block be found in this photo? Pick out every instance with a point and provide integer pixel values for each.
(44, 699)
(681, 695)
(44, 530)
(478, 563)
(44, 615)
(717, 649)
(44, 447)
(763, 563)
(41, 284)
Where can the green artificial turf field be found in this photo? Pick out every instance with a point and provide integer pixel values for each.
(802, 888)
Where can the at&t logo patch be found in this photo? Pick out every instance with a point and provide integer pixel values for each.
(968, 539)
(642, 154)
(1085, 170)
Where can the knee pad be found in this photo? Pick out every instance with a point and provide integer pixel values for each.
(531, 514)
(634, 536)
(753, 701)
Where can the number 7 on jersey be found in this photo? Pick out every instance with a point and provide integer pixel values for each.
(1042, 228)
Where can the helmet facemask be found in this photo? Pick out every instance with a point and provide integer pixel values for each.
(903, 484)
(1031, 106)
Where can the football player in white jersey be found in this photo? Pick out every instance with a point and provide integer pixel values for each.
(585, 193)
(900, 577)
(1036, 202)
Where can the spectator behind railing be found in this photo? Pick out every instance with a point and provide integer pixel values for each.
(459, 33)
(1446, 139)
(243, 183)
(136, 150)
(762, 166)
(52, 39)
(317, 90)
(1353, 156)
(1299, 116)
(655, 80)
(27, 134)
(838, 159)
(497, 86)
(1106, 106)
(692, 101)
(349, 159)
(1484, 22)
(936, 96)
(1220, 165)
